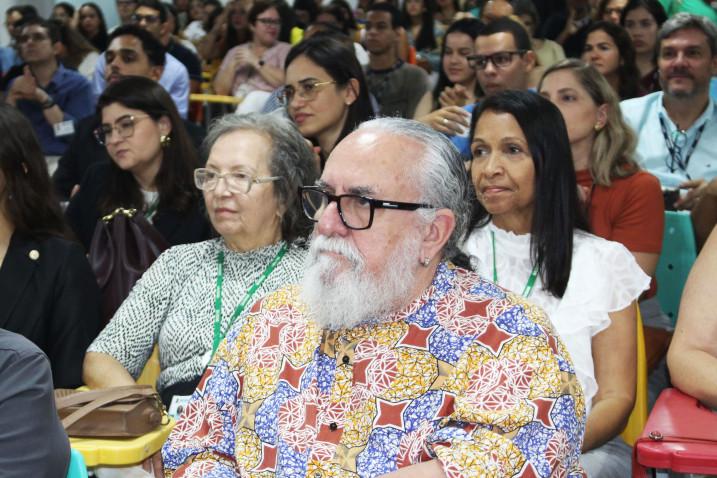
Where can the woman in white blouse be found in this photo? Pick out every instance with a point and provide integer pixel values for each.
(530, 237)
(194, 293)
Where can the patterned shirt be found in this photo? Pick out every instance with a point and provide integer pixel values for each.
(468, 374)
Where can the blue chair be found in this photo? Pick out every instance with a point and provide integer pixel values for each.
(77, 467)
(679, 252)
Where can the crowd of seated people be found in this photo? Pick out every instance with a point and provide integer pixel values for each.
(421, 244)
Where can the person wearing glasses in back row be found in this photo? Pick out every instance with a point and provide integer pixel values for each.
(503, 61)
(194, 294)
(151, 16)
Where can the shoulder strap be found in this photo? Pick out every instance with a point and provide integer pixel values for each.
(100, 399)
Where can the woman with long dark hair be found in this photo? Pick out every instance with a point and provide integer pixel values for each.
(47, 289)
(325, 92)
(457, 85)
(77, 53)
(92, 25)
(609, 49)
(530, 236)
(642, 19)
(151, 168)
(423, 31)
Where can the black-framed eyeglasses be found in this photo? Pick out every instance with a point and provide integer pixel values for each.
(355, 211)
(151, 19)
(307, 89)
(500, 59)
(124, 127)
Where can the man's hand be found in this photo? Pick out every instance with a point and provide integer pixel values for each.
(24, 87)
(696, 189)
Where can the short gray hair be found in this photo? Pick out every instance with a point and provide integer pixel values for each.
(290, 158)
(440, 173)
(683, 21)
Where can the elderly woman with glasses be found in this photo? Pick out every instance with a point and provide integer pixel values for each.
(193, 294)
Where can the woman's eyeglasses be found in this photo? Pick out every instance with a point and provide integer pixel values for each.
(236, 182)
(307, 89)
(124, 127)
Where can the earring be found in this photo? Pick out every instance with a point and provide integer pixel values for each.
(165, 140)
(598, 127)
(425, 261)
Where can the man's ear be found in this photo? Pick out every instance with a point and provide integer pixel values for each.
(57, 49)
(530, 60)
(437, 233)
(155, 72)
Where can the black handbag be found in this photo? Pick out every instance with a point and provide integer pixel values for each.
(123, 246)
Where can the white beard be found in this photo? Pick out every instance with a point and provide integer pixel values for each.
(354, 297)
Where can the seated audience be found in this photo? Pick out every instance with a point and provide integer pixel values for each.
(63, 12)
(642, 20)
(132, 52)
(547, 51)
(252, 70)
(33, 442)
(10, 60)
(692, 358)
(530, 236)
(387, 361)
(424, 33)
(568, 26)
(325, 92)
(503, 61)
(174, 76)
(256, 163)
(47, 289)
(677, 127)
(125, 9)
(226, 29)
(609, 49)
(610, 11)
(457, 86)
(51, 96)
(446, 12)
(92, 26)
(396, 85)
(151, 168)
(198, 16)
(76, 52)
(156, 18)
(331, 18)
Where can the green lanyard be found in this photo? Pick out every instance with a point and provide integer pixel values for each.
(218, 334)
(151, 209)
(531, 280)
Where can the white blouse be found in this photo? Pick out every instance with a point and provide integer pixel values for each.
(604, 278)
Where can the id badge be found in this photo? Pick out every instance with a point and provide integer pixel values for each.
(64, 128)
(178, 405)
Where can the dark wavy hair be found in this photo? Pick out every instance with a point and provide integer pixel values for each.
(627, 72)
(30, 202)
(471, 27)
(556, 208)
(653, 7)
(174, 179)
(341, 64)
(100, 41)
(426, 39)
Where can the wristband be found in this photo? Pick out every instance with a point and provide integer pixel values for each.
(48, 103)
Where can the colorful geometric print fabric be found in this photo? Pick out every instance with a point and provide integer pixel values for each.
(468, 374)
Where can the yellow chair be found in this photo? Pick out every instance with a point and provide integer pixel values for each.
(121, 451)
(213, 106)
(638, 416)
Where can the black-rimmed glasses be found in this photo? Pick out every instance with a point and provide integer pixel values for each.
(124, 127)
(355, 211)
(500, 59)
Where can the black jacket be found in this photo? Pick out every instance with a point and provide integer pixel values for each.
(49, 294)
(176, 227)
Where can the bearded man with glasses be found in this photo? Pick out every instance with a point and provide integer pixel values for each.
(387, 360)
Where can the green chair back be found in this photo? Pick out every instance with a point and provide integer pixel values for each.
(679, 252)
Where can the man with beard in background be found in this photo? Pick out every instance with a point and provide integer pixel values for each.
(388, 360)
